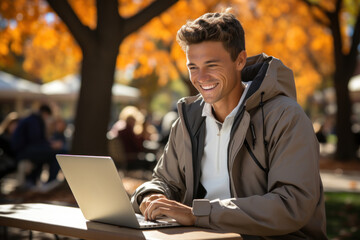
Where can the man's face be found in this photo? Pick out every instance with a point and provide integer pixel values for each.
(214, 74)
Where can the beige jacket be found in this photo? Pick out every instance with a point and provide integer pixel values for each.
(274, 181)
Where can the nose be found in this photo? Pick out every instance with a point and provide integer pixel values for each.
(203, 76)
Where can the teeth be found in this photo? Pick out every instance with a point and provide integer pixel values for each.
(208, 87)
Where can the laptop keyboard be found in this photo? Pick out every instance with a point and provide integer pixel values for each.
(154, 224)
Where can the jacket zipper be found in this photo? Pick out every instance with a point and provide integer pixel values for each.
(235, 125)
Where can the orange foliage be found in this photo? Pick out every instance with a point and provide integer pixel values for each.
(284, 29)
(86, 11)
(156, 42)
(293, 36)
(49, 50)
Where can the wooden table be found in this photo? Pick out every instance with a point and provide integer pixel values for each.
(69, 221)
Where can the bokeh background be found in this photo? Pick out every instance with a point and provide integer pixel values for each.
(89, 60)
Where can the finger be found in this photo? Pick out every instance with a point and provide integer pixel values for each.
(142, 207)
(144, 204)
(158, 203)
(147, 201)
(159, 211)
(180, 212)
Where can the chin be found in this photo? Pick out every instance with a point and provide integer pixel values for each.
(209, 101)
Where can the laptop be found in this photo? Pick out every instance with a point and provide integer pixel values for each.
(100, 193)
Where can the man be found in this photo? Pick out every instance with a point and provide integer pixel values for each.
(243, 156)
(30, 141)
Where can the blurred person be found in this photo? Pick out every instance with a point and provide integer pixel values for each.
(149, 131)
(121, 122)
(30, 142)
(7, 154)
(58, 139)
(128, 130)
(242, 156)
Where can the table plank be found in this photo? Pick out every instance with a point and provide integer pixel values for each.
(69, 221)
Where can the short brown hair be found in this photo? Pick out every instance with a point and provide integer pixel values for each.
(220, 27)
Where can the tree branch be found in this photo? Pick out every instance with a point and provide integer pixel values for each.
(80, 32)
(321, 9)
(311, 4)
(154, 9)
(320, 21)
(337, 36)
(338, 6)
(108, 15)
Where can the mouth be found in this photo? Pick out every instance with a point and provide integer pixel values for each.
(208, 87)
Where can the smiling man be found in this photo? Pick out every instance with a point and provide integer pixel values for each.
(243, 156)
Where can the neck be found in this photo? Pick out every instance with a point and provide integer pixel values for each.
(221, 110)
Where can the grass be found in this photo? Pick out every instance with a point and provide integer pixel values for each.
(343, 215)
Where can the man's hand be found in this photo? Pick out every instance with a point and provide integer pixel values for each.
(147, 200)
(155, 205)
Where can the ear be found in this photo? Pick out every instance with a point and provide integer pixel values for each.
(241, 60)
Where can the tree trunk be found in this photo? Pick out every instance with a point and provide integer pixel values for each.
(100, 48)
(346, 147)
(344, 69)
(93, 109)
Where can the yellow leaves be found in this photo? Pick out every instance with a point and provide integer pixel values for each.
(173, 73)
(177, 52)
(288, 31)
(4, 42)
(86, 11)
(305, 82)
(198, 6)
(161, 32)
(131, 7)
(143, 60)
(47, 64)
(149, 46)
(16, 47)
(166, 19)
(320, 41)
(296, 38)
(15, 34)
(284, 29)
(46, 38)
(328, 5)
(182, 6)
(154, 47)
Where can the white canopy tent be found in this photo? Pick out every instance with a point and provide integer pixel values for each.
(68, 88)
(14, 87)
(19, 94)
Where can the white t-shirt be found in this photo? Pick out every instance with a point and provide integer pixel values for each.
(214, 164)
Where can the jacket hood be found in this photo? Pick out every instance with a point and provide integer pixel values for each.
(270, 78)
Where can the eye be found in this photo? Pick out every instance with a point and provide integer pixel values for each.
(212, 65)
(192, 68)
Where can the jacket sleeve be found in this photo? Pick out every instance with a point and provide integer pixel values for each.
(294, 185)
(168, 179)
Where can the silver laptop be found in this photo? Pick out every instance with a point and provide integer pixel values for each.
(100, 193)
